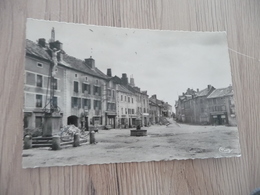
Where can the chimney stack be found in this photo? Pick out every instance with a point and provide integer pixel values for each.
(109, 72)
(42, 42)
(132, 81)
(198, 90)
(154, 96)
(124, 79)
(209, 87)
(90, 62)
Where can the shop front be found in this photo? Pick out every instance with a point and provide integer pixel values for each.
(111, 119)
(219, 118)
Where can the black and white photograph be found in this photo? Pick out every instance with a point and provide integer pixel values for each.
(99, 94)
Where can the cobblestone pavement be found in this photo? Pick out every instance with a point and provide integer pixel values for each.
(176, 141)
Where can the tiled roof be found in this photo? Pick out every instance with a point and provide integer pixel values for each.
(81, 66)
(36, 50)
(123, 89)
(221, 92)
(72, 62)
(203, 92)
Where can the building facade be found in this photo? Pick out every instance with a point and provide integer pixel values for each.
(208, 106)
(76, 92)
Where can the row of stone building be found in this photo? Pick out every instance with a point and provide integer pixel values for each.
(76, 92)
(208, 106)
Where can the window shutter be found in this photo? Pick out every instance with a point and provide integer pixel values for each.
(79, 102)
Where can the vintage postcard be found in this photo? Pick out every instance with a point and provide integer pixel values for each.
(96, 94)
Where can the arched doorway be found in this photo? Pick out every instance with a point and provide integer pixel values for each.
(72, 120)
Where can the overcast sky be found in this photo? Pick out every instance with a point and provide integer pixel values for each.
(165, 63)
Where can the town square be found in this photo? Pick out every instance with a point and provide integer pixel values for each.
(96, 110)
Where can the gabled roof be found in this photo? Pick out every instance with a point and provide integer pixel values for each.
(33, 48)
(80, 65)
(204, 92)
(123, 89)
(36, 50)
(151, 102)
(222, 92)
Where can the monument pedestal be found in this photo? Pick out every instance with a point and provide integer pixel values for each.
(51, 124)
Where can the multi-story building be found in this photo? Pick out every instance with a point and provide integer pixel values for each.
(70, 88)
(42, 92)
(208, 106)
(201, 114)
(156, 107)
(133, 103)
(75, 91)
(221, 107)
(84, 92)
(112, 101)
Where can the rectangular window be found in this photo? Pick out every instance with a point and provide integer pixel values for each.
(75, 102)
(133, 111)
(132, 100)
(97, 105)
(38, 101)
(113, 94)
(111, 106)
(97, 90)
(55, 84)
(39, 81)
(109, 92)
(144, 110)
(122, 111)
(55, 102)
(76, 87)
(38, 121)
(30, 78)
(85, 88)
(129, 111)
(121, 97)
(126, 111)
(125, 98)
(39, 65)
(129, 99)
(86, 104)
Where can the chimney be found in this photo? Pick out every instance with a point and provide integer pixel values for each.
(183, 94)
(57, 45)
(154, 96)
(209, 87)
(132, 81)
(109, 72)
(90, 62)
(42, 42)
(137, 89)
(198, 90)
(124, 79)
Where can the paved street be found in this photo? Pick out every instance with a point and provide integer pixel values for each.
(176, 141)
